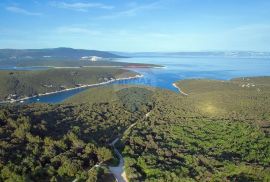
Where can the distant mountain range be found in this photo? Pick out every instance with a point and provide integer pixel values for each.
(54, 53)
(70, 54)
(61, 57)
(237, 54)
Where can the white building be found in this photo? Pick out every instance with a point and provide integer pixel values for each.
(91, 58)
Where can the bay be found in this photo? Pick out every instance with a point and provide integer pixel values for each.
(176, 68)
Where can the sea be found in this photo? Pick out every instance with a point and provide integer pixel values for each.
(174, 69)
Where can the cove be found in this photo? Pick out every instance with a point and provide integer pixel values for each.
(176, 68)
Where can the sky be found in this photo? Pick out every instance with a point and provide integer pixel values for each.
(136, 25)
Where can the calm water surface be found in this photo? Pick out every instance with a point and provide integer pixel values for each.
(178, 68)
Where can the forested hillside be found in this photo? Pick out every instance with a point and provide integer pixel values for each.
(67, 62)
(219, 132)
(61, 52)
(64, 142)
(227, 139)
(241, 97)
(19, 84)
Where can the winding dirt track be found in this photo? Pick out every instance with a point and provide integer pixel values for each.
(119, 171)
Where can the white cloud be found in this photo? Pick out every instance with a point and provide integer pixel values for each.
(80, 6)
(133, 9)
(18, 10)
(76, 30)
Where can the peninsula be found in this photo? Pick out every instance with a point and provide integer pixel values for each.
(220, 132)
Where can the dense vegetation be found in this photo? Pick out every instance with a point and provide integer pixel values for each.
(219, 132)
(242, 97)
(132, 98)
(52, 62)
(28, 83)
(64, 142)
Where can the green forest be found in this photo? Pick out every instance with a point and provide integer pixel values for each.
(64, 142)
(218, 132)
(19, 84)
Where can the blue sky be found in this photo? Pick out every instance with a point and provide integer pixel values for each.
(139, 25)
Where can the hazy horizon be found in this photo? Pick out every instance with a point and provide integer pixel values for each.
(120, 51)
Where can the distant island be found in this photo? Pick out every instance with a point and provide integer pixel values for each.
(224, 54)
(61, 53)
(62, 57)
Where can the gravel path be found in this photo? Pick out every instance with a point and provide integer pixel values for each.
(119, 171)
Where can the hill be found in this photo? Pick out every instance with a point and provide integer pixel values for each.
(21, 84)
(181, 139)
(62, 57)
(65, 142)
(218, 132)
(59, 57)
(53, 53)
(70, 63)
(244, 96)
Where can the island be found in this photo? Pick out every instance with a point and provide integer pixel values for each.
(62, 58)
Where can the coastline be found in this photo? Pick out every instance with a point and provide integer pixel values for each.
(185, 94)
(73, 88)
(94, 66)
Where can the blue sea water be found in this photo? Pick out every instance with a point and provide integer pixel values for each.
(23, 68)
(178, 68)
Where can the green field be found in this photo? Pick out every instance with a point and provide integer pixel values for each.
(65, 62)
(219, 132)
